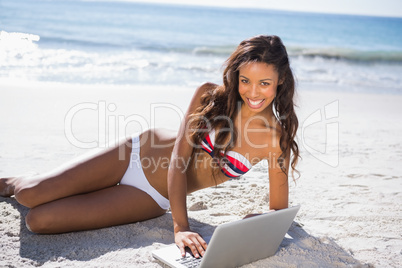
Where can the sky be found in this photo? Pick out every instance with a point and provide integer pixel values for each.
(388, 8)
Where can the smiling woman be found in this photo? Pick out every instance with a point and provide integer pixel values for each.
(257, 85)
(226, 130)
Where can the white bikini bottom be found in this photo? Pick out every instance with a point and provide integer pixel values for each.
(135, 176)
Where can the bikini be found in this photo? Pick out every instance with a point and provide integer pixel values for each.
(236, 166)
(135, 176)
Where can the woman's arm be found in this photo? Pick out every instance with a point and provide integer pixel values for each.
(278, 186)
(177, 182)
(278, 182)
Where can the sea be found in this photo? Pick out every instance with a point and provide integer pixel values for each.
(131, 43)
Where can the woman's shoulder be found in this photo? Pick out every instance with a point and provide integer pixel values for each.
(206, 90)
(207, 86)
(201, 93)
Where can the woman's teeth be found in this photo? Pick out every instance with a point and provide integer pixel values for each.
(255, 102)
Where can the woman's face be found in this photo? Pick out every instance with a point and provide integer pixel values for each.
(257, 85)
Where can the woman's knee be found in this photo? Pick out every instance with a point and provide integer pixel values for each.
(37, 221)
(26, 195)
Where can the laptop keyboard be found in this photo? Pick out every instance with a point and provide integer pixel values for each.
(190, 261)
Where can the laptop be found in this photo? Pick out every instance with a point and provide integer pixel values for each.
(236, 243)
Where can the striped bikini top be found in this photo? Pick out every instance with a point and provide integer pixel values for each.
(236, 165)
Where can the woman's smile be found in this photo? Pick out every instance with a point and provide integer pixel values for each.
(257, 85)
(255, 104)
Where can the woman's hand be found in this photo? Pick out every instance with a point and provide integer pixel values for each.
(192, 240)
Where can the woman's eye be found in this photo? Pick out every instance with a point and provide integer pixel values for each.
(244, 81)
(265, 84)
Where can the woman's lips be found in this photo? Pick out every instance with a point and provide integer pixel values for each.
(255, 104)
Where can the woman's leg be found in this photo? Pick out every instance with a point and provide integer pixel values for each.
(86, 174)
(120, 204)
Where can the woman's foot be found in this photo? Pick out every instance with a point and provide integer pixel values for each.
(7, 185)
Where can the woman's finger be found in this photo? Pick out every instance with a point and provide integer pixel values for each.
(193, 247)
(194, 242)
(202, 245)
(200, 249)
(198, 246)
(181, 247)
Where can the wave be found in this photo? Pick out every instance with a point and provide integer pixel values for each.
(25, 41)
(340, 54)
(306, 52)
(59, 41)
(21, 41)
(214, 50)
(347, 54)
(22, 57)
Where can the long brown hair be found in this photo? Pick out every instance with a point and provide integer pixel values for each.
(221, 104)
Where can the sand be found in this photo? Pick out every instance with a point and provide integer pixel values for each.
(349, 189)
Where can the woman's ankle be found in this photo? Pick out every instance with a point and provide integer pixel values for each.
(7, 187)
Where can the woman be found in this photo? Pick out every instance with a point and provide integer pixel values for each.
(226, 130)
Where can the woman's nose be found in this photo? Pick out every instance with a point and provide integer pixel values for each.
(254, 91)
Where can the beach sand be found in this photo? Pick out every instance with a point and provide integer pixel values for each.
(349, 189)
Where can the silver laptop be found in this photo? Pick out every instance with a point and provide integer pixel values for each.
(236, 243)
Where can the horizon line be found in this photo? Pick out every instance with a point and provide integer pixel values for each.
(234, 6)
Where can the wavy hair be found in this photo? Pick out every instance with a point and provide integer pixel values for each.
(220, 104)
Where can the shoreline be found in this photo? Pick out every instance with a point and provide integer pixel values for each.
(348, 191)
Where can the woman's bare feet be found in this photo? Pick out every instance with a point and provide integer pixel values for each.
(7, 185)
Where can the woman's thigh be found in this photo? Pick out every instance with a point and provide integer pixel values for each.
(91, 172)
(115, 205)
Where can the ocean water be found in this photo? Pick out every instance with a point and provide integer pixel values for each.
(105, 42)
